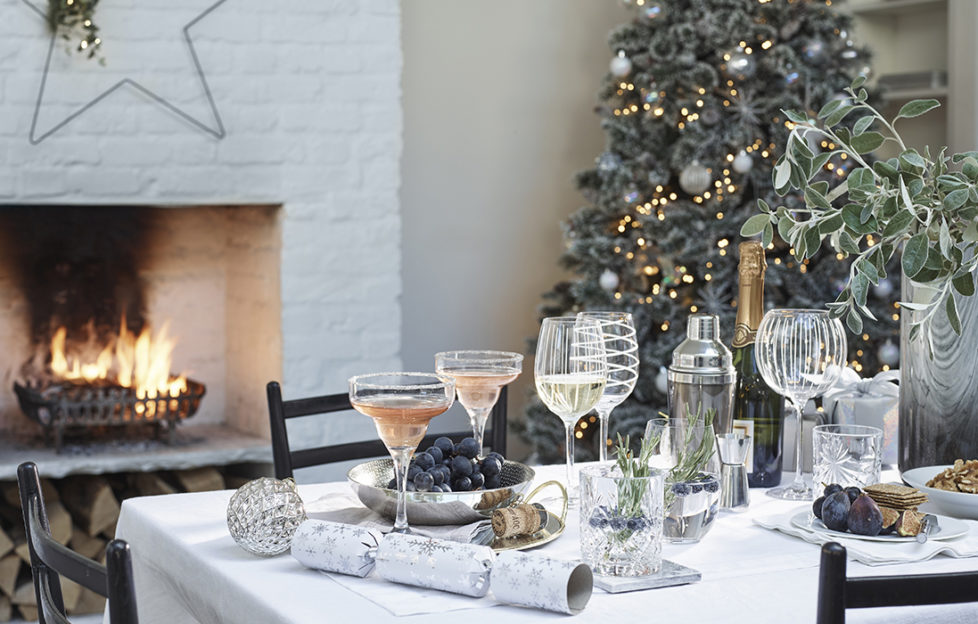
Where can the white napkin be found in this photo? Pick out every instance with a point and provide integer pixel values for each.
(880, 553)
(349, 510)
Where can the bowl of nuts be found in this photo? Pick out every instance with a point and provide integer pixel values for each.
(953, 489)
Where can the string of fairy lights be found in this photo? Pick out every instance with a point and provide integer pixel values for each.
(723, 183)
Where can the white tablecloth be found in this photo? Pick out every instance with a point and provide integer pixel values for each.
(188, 569)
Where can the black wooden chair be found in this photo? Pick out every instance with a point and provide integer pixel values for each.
(51, 560)
(287, 460)
(837, 592)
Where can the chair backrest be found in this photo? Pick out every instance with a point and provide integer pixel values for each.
(837, 592)
(287, 460)
(51, 560)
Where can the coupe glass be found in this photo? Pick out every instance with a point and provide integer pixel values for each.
(800, 354)
(570, 373)
(621, 349)
(401, 405)
(479, 376)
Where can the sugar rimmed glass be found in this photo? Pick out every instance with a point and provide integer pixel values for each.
(401, 406)
(479, 377)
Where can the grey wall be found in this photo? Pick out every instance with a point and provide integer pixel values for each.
(498, 100)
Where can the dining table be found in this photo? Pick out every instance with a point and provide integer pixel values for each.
(188, 569)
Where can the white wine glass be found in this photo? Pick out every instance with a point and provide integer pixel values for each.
(570, 373)
(401, 406)
(621, 350)
(800, 354)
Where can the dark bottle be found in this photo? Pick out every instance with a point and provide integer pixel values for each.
(757, 409)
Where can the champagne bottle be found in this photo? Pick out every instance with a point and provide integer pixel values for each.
(757, 409)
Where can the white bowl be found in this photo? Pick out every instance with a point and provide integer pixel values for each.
(956, 504)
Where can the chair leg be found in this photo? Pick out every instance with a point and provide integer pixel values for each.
(30, 494)
(832, 585)
(280, 437)
(121, 587)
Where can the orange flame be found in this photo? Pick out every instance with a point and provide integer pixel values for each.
(141, 362)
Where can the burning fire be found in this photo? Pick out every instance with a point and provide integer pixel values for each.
(142, 363)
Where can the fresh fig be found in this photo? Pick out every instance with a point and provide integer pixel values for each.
(865, 517)
(835, 511)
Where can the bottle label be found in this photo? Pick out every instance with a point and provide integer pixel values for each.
(743, 335)
(747, 426)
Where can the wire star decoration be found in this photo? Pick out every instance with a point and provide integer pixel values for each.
(745, 109)
(214, 128)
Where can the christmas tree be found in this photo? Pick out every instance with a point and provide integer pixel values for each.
(693, 109)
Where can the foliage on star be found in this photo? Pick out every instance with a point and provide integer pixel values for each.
(693, 114)
(74, 20)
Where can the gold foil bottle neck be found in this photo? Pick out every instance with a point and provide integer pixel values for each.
(750, 304)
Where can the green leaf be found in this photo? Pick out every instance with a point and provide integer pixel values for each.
(862, 179)
(782, 174)
(916, 108)
(915, 255)
(858, 82)
(970, 169)
(911, 158)
(885, 169)
(850, 214)
(812, 242)
(815, 199)
(830, 108)
(952, 314)
(838, 115)
(763, 205)
(830, 225)
(755, 225)
(848, 244)
(768, 235)
(867, 142)
(796, 117)
(898, 224)
(862, 125)
(945, 239)
(819, 161)
(963, 155)
(964, 284)
(955, 199)
(854, 322)
(859, 285)
(784, 227)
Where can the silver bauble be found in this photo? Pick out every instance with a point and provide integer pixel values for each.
(264, 514)
(884, 289)
(620, 65)
(889, 354)
(662, 380)
(710, 116)
(815, 51)
(695, 178)
(740, 65)
(742, 162)
(608, 162)
(653, 10)
(608, 280)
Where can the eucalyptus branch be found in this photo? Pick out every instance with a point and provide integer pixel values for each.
(912, 204)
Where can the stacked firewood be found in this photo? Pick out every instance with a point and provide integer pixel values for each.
(82, 511)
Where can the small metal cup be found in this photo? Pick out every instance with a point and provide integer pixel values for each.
(733, 449)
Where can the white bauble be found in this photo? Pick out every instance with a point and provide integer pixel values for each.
(889, 353)
(608, 280)
(662, 380)
(742, 163)
(621, 65)
(695, 178)
(884, 289)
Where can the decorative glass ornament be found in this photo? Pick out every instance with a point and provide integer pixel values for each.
(814, 50)
(695, 178)
(889, 353)
(792, 77)
(662, 380)
(608, 162)
(883, 289)
(742, 163)
(621, 65)
(264, 514)
(740, 65)
(608, 280)
(653, 10)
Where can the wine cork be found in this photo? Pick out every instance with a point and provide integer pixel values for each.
(518, 520)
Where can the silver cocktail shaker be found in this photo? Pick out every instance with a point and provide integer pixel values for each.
(702, 375)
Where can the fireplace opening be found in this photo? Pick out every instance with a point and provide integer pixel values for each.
(122, 318)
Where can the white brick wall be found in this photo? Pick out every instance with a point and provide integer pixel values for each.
(309, 92)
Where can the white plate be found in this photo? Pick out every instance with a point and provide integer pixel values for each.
(948, 528)
(957, 504)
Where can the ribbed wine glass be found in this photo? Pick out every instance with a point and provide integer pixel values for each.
(570, 373)
(800, 354)
(621, 349)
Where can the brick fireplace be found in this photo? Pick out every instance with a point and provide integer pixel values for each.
(285, 259)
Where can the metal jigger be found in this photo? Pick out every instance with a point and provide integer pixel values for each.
(734, 491)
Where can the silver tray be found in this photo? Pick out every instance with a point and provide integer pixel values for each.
(370, 479)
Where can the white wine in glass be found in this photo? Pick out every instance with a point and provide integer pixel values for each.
(570, 373)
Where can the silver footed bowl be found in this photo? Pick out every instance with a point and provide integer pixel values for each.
(370, 479)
